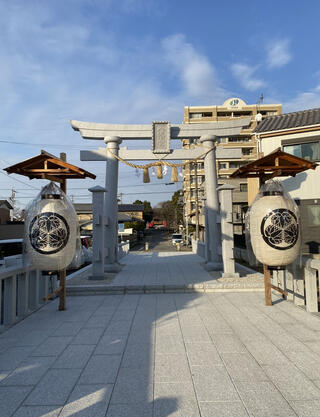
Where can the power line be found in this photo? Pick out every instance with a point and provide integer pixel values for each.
(22, 182)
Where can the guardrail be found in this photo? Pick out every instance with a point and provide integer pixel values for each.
(300, 280)
(22, 291)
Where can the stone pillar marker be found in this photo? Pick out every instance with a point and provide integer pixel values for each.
(213, 261)
(98, 224)
(111, 206)
(225, 196)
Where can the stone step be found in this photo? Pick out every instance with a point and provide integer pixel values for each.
(154, 289)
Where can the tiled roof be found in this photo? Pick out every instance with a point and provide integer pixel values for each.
(87, 207)
(130, 207)
(289, 121)
(6, 202)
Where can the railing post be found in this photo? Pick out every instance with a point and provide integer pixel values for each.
(22, 294)
(43, 288)
(34, 290)
(310, 277)
(10, 302)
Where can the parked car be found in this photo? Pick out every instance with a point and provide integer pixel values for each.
(176, 238)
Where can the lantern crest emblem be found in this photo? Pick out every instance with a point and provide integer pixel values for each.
(48, 233)
(280, 229)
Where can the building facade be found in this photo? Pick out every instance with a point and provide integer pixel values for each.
(298, 134)
(193, 173)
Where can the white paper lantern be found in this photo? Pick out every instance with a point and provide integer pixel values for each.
(274, 229)
(51, 227)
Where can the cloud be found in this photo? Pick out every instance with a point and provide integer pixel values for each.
(278, 53)
(303, 101)
(244, 74)
(197, 74)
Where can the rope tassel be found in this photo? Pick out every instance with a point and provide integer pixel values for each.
(174, 174)
(146, 177)
(159, 172)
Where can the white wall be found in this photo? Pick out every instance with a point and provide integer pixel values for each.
(305, 185)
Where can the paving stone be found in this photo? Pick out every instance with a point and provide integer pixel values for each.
(52, 346)
(11, 398)
(306, 408)
(87, 336)
(243, 367)
(38, 411)
(119, 327)
(287, 343)
(265, 352)
(172, 368)
(203, 354)
(223, 409)
(68, 329)
(195, 334)
(228, 343)
(170, 344)
(138, 356)
(111, 345)
(101, 369)
(33, 338)
(54, 388)
(261, 396)
(302, 332)
(213, 384)
(132, 410)
(74, 356)
(286, 412)
(133, 386)
(292, 383)
(12, 357)
(88, 401)
(29, 371)
(307, 362)
(164, 407)
(96, 321)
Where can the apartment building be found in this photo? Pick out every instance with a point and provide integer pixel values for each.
(193, 174)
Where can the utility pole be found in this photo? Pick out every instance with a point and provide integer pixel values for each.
(13, 203)
(197, 199)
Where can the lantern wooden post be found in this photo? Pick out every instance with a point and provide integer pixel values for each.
(63, 272)
(267, 285)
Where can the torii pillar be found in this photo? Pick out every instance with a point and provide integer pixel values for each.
(111, 206)
(213, 261)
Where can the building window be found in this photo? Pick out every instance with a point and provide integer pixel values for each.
(314, 215)
(239, 139)
(247, 151)
(200, 165)
(224, 114)
(222, 165)
(309, 151)
(235, 165)
(200, 115)
(193, 206)
(244, 187)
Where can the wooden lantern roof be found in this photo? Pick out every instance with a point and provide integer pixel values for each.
(48, 167)
(275, 164)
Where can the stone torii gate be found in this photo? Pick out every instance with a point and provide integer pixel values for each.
(160, 133)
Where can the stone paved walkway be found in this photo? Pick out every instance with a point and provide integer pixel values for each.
(165, 271)
(159, 355)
